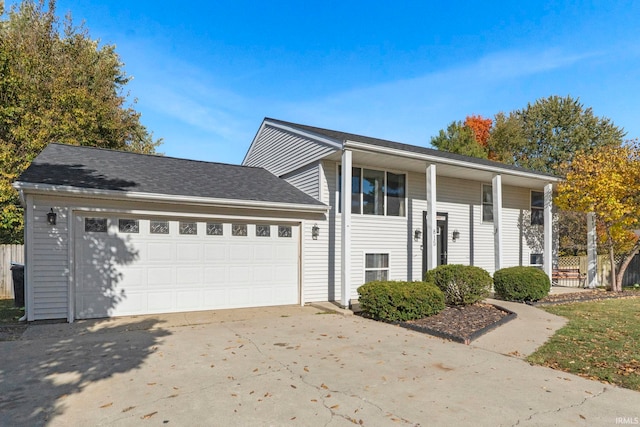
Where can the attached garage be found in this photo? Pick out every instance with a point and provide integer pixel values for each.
(128, 265)
(112, 233)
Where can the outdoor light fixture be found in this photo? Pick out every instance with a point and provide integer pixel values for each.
(51, 217)
(456, 235)
(417, 235)
(315, 232)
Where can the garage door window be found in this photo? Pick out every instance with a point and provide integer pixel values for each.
(263, 230)
(284, 231)
(189, 228)
(128, 226)
(239, 229)
(95, 225)
(214, 229)
(159, 227)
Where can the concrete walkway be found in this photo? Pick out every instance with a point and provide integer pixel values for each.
(285, 366)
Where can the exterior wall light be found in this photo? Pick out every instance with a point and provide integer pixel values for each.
(315, 232)
(51, 217)
(456, 235)
(417, 235)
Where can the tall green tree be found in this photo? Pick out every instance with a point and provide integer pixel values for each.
(57, 85)
(548, 133)
(460, 139)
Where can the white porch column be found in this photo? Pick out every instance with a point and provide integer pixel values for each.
(496, 186)
(432, 224)
(592, 253)
(345, 234)
(547, 257)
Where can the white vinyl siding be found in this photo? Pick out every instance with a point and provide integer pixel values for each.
(282, 152)
(306, 179)
(47, 264)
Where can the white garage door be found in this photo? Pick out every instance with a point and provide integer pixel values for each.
(128, 265)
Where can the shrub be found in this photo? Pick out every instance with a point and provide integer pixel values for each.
(521, 284)
(461, 284)
(396, 301)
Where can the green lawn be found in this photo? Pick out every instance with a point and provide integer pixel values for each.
(601, 341)
(9, 313)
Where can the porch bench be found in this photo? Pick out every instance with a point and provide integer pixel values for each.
(568, 277)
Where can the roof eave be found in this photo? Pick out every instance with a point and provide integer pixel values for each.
(64, 190)
(454, 162)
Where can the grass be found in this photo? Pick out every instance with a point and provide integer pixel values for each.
(601, 342)
(8, 313)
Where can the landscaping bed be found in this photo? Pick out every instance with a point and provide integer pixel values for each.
(583, 296)
(462, 324)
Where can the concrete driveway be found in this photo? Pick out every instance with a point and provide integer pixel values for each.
(282, 366)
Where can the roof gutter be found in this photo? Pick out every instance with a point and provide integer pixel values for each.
(443, 160)
(65, 190)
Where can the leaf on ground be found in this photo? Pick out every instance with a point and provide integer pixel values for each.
(151, 383)
(306, 369)
(106, 405)
(149, 415)
(292, 386)
(127, 409)
(324, 386)
(334, 407)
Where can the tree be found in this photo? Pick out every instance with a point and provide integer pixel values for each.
(459, 139)
(56, 85)
(607, 182)
(481, 128)
(546, 134)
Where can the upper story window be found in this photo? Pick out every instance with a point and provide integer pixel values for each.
(537, 208)
(487, 203)
(375, 192)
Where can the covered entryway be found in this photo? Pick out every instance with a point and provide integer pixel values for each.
(128, 265)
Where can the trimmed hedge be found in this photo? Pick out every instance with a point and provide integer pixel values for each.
(461, 284)
(521, 284)
(398, 301)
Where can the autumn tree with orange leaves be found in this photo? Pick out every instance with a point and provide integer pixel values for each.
(607, 182)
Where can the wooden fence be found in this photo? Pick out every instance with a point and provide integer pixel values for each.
(9, 254)
(631, 276)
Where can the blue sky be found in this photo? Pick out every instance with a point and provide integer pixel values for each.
(206, 73)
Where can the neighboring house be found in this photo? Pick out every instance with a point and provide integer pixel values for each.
(111, 233)
(411, 208)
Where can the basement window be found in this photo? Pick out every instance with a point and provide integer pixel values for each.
(376, 267)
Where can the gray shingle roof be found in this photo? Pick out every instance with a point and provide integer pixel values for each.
(345, 136)
(94, 168)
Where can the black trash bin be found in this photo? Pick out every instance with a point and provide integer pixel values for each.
(17, 273)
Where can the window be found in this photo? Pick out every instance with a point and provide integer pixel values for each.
(95, 225)
(375, 192)
(376, 267)
(487, 203)
(284, 231)
(239, 229)
(214, 229)
(188, 228)
(537, 208)
(128, 226)
(535, 260)
(159, 227)
(263, 230)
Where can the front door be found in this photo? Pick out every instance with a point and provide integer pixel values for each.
(442, 220)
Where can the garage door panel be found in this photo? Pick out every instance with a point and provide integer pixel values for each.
(135, 273)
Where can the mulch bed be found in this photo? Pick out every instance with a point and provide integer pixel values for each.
(595, 295)
(462, 324)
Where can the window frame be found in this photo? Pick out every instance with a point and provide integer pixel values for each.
(537, 219)
(532, 255)
(386, 269)
(402, 207)
(483, 203)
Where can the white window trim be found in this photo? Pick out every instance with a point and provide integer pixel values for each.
(531, 208)
(482, 204)
(375, 252)
(362, 168)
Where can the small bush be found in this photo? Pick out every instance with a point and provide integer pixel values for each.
(397, 301)
(461, 284)
(521, 284)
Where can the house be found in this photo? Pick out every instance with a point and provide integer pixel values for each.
(111, 233)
